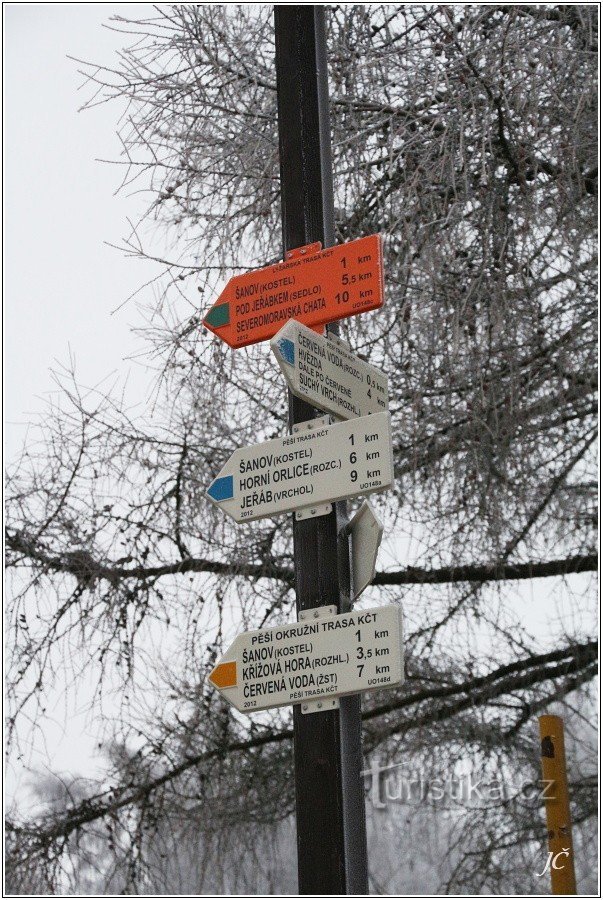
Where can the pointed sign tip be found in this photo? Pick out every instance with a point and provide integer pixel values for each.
(224, 675)
(221, 489)
(287, 350)
(218, 315)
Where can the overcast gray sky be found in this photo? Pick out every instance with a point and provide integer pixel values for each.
(61, 281)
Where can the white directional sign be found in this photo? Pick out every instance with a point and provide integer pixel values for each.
(324, 657)
(366, 530)
(323, 371)
(317, 465)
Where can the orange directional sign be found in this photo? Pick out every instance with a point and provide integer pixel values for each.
(313, 286)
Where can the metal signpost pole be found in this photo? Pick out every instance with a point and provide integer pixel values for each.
(331, 824)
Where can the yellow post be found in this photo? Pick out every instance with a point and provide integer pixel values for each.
(556, 802)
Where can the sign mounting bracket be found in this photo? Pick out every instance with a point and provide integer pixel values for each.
(310, 424)
(320, 509)
(316, 706)
(325, 703)
(316, 613)
(297, 253)
(306, 250)
(314, 512)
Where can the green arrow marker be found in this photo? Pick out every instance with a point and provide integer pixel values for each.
(218, 315)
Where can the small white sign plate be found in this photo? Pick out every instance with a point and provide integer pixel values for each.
(319, 465)
(366, 530)
(329, 656)
(323, 371)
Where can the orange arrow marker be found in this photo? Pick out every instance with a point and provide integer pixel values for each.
(313, 286)
(224, 675)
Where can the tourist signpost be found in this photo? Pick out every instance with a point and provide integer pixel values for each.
(323, 371)
(323, 657)
(323, 662)
(317, 465)
(312, 285)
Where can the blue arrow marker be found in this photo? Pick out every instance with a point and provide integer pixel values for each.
(287, 350)
(221, 489)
